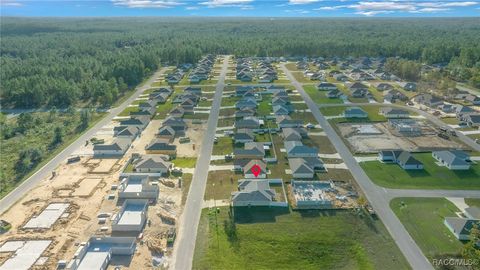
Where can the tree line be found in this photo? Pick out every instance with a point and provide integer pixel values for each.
(65, 62)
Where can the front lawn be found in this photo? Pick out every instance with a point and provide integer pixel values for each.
(423, 218)
(432, 177)
(320, 97)
(223, 146)
(275, 238)
(185, 162)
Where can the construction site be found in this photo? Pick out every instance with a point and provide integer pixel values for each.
(407, 134)
(79, 201)
(322, 195)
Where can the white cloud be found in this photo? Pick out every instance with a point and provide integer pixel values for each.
(302, 2)
(191, 8)
(147, 3)
(9, 3)
(226, 3)
(372, 8)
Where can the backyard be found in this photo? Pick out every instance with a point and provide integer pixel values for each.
(269, 238)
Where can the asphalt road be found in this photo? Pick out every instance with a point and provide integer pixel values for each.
(47, 169)
(187, 235)
(464, 138)
(376, 196)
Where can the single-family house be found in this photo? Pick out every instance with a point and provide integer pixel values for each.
(117, 147)
(253, 193)
(410, 86)
(461, 227)
(454, 160)
(243, 135)
(305, 167)
(250, 122)
(298, 149)
(403, 158)
(161, 146)
(285, 121)
(326, 86)
(355, 112)
(390, 112)
(259, 164)
(166, 132)
(151, 164)
(251, 150)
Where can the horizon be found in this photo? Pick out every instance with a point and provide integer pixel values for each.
(241, 8)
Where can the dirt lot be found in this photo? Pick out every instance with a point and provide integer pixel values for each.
(195, 133)
(86, 186)
(388, 138)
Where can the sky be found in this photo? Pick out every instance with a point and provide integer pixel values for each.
(241, 8)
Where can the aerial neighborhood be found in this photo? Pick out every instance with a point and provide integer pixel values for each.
(228, 149)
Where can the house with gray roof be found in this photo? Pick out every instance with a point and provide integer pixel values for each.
(151, 164)
(334, 93)
(454, 160)
(410, 86)
(355, 112)
(253, 193)
(166, 132)
(305, 167)
(298, 149)
(326, 86)
(117, 147)
(246, 103)
(280, 100)
(293, 134)
(428, 100)
(244, 113)
(252, 150)
(285, 121)
(243, 135)
(281, 109)
(137, 121)
(403, 158)
(390, 112)
(161, 146)
(461, 227)
(472, 212)
(126, 132)
(247, 169)
(250, 122)
(472, 120)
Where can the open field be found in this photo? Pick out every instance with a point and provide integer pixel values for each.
(224, 146)
(423, 218)
(269, 238)
(432, 177)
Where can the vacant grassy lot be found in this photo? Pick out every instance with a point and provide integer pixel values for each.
(432, 177)
(221, 184)
(223, 146)
(372, 111)
(320, 97)
(128, 110)
(450, 120)
(291, 66)
(185, 162)
(268, 238)
(300, 77)
(423, 218)
(264, 108)
(163, 110)
(187, 180)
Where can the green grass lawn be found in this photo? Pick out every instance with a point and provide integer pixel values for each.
(128, 110)
(432, 177)
(423, 218)
(372, 111)
(221, 184)
(450, 120)
(264, 108)
(300, 77)
(228, 122)
(185, 162)
(376, 94)
(320, 97)
(269, 238)
(205, 103)
(230, 101)
(163, 110)
(291, 66)
(224, 146)
(187, 180)
(472, 202)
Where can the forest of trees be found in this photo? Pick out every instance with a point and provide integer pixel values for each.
(90, 62)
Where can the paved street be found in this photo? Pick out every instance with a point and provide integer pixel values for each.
(376, 196)
(47, 169)
(187, 235)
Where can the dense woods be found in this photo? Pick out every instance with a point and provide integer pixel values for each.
(63, 62)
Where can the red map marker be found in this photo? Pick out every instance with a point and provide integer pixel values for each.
(256, 170)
